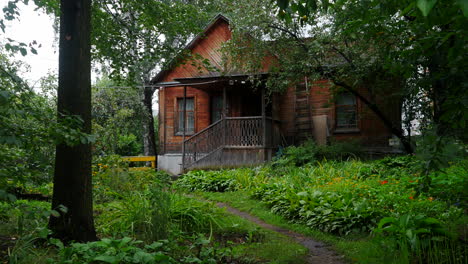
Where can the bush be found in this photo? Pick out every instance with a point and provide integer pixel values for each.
(451, 183)
(128, 145)
(112, 179)
(336, 197)
(310, 152)
(125, 250)
(208, 181)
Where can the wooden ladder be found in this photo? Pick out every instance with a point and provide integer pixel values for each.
(303, 122)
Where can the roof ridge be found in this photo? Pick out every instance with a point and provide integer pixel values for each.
(192, 43)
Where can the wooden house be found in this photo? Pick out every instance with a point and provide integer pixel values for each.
(208, 119)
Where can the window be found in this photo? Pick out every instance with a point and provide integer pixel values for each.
(189, 116)
(346, 111)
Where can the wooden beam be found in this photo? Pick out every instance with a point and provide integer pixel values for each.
(184, 127)
(139, 158)
(264, 118)
(224, 115)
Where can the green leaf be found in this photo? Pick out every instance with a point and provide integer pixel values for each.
(386, 220)
(425, 6)
(283, 4)
(107, 259)
(464, 7)
(23, 51)
(54, 213)
(311, 5)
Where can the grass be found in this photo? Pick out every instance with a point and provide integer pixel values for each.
(263, 245)
(356, 249)
(23, 232)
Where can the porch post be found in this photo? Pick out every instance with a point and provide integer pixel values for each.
(224, 116)
(264, 118)
(184, 126)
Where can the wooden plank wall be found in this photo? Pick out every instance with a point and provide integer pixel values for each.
(209, 47)
(372, 131)
(168, 107)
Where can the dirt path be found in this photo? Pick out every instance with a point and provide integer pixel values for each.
(319, 253)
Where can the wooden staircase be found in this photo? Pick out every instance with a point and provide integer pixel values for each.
(231, 141)
(303, 123)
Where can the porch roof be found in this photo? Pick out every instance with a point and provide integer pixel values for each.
(211, 83)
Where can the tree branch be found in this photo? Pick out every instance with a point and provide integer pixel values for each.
(387, 122)
(292, 34)
(344, 56)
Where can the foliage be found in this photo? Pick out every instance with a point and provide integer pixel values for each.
(30, 129)
(112, 179)
(425, 238)
(132, 40)
(141, 214)
(24, 222)
(310, 152)
(451, 183)
(412, 229)
(192, 216)
(117, 119)
(216, 181)
(404, 37)
(108, 250)
(337, 197)
(437, 153)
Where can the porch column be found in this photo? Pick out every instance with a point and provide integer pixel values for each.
(184, 126)
(264, 119)
(224, 116)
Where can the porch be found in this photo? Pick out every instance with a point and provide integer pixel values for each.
(232, 142)
(242, 130)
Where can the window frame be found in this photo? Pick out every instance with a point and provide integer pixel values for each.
(348, 108)
(178, 131)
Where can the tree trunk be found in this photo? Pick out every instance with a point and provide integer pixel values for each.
(149, 139)
(72, 176)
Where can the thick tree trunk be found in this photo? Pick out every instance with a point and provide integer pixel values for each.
(72, 177)
(149, 139)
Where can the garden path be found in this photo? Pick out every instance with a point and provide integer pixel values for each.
(319, 253)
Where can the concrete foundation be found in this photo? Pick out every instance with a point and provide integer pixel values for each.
(171, 163)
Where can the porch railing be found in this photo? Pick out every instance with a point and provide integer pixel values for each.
(230, 132)
(203, 142)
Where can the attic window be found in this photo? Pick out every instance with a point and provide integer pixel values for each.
(189, 116)
(346, 111)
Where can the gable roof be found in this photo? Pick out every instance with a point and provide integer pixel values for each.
(190, 46)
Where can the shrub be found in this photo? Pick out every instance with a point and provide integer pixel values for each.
(107, 250)
(143, 214)
(451, 183)
(208, 181)
(310, 152)
(128, 145)
(112, 179)
(192, 216)
(419, 239)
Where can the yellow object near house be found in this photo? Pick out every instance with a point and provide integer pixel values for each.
(141, 158)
